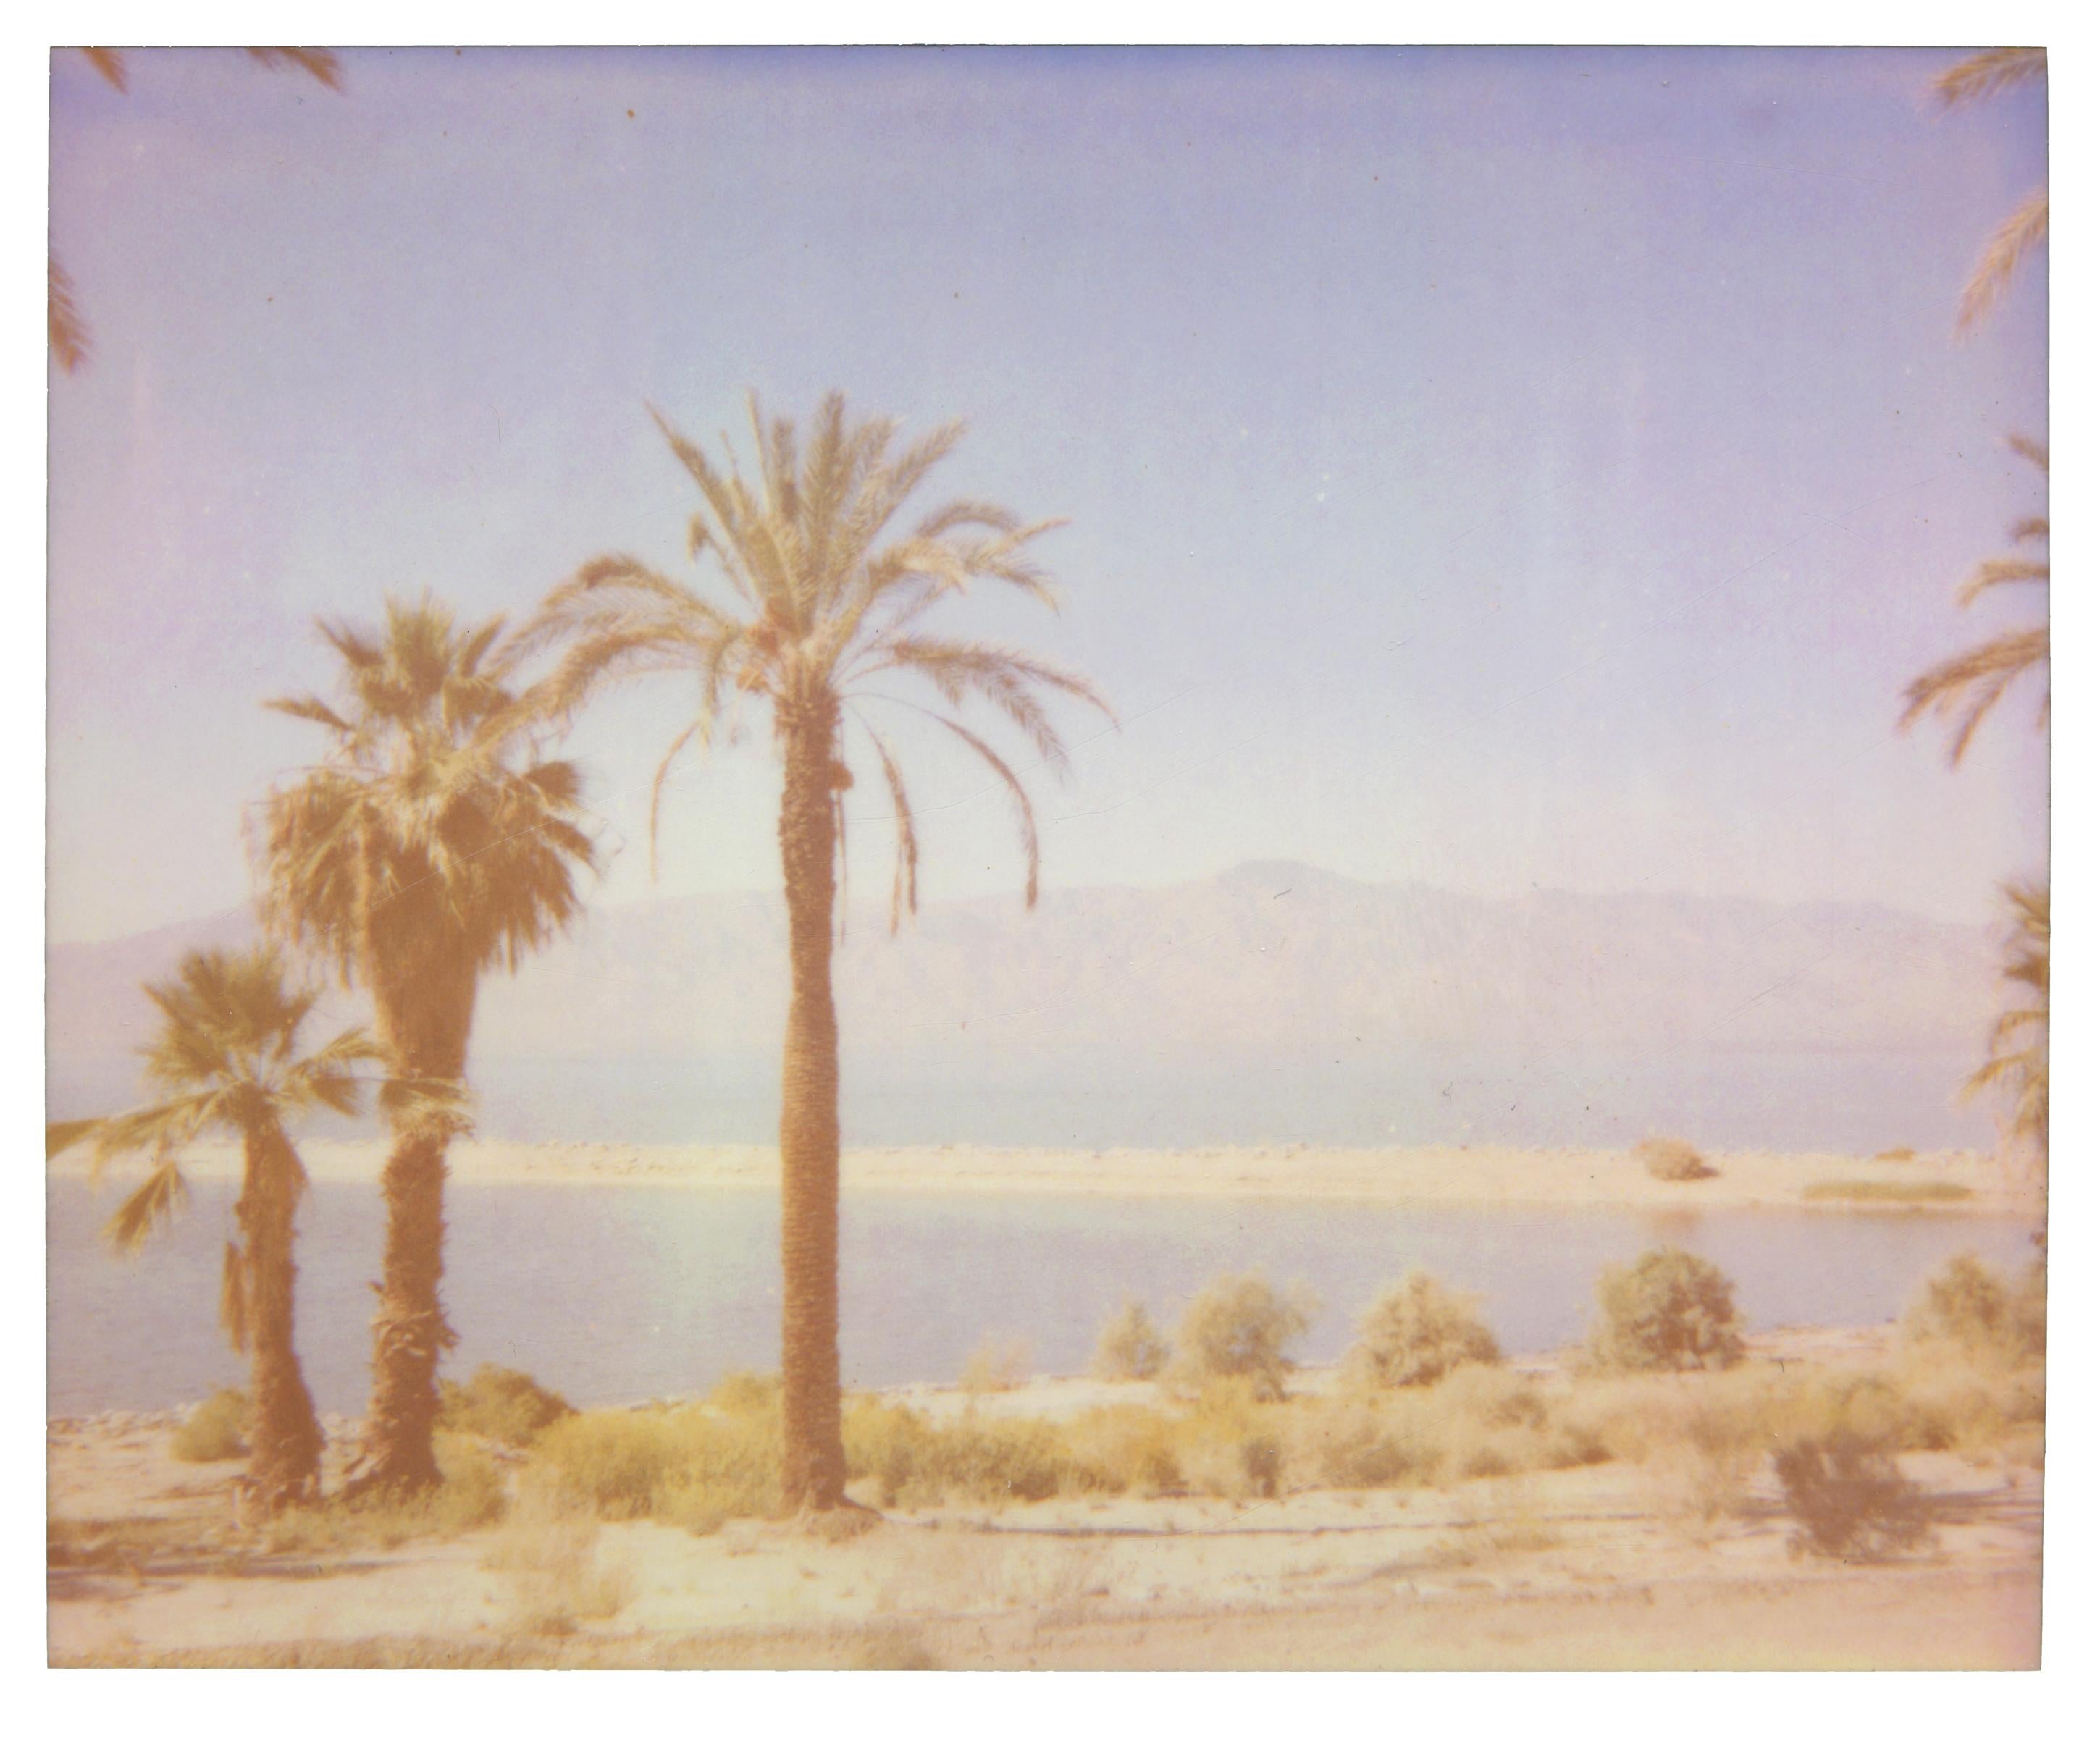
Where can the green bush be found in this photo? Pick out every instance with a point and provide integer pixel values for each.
(1239, 1327)
(916, 1463)
(1849, 1498)
(1974, 1306)
(503, 1405)
(1668, 1310)
(216, 1429)
(1131, 1346)
(690, 1465)
(1673, 1159)
(1418, 1332)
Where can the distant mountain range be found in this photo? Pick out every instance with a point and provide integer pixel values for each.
(1270, 962)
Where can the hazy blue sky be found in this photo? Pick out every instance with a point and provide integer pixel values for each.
(1492, 467)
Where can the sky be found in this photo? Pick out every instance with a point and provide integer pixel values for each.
(1497, 468)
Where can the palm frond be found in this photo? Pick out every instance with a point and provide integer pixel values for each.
(150, 1207)
(904, 884)
(109, 62)
(318, 63)
(1970, 684)
(1024, 812)
(2026, 230)
(1998, 572)
(62, 1135)
(1986, 74)
(68, 327)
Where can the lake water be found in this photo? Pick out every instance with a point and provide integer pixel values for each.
(613, 1294)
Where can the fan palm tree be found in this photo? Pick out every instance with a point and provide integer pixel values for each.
(822, 605)
(1981, 75)
(1969, 684)
(228, 1061)
(432, 844)
(2019, 1041)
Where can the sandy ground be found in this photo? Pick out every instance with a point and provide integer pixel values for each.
(1587, 1568)
(1502, 1175)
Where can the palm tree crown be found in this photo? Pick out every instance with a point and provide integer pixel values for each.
(1980, 77)
(227, 1056)
(2019, 1040)
(822, 605)
(1969, 684)
(432, 826)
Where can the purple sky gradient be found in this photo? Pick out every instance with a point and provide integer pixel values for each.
(1494, 468)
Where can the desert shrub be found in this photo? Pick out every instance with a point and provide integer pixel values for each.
(1239, 1327)
(1673, 1159)
(1849, 1498)
(1418, 1332)
(505, 1405)
(1668, 1310)
(1900, 1153)
(745, 1392)
(916, 1463)
(1127, 1447)
(471, 1493)
(215, 1430)
(1491, 1398)
(997, 1366)
(1351, 1444)
(690, 1466)
(1973, 1306)
(1131, 1347)
(557, 1572)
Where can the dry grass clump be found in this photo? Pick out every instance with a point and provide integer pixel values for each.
(1668, 1310)
(1241, 1326)
(1891, 1192)
(745, 1393)
(559, 1572)
(1418, 1332)
(215, 1430)
(1130, 1449)
(472, 1495)
(692, 1465)
(1981, 1311)
(503, 1405)
(1674, 1160)
(998, 1365)
(1131, 1348)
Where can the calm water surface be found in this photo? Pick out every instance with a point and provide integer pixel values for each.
(621, 1293)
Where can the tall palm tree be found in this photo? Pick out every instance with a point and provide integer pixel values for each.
(820, 604)
(431, 845)
(1969, 684)
(227, 1059)
(1981, 76)
(2019, 1041)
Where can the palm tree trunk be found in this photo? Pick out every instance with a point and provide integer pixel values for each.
(813, 1469)
(284, 1437)
(423, 1021)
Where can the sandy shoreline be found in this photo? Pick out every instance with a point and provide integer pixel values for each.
(1451, 1174)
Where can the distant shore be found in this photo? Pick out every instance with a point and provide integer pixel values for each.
(1967, 1181)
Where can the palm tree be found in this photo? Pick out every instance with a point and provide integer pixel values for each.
(1981, 75)
(2019, 1040)
(431, 845)
(819, 606)
(1971, 684)
(227, 1059)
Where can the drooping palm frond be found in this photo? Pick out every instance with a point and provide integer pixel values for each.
(1968, 686)
(68, 327)
(2011, 242)
(149, 1208)
(819, 603)
(1987, 74)
(2019, 1057)
(318, 63)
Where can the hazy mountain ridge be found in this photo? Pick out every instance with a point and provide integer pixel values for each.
(1269, 959)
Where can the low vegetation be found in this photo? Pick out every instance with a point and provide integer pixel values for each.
(215, 1430)
(1668, 1310)
(1979, 1309)
(998, 1365)
(1899, 1153)
(1674, 1160)
(1418, 1332)
(471, 1494)
(1241, 1328)
(1131, 1348)
(1891, 1192)
(500, 1404)
(1848, 1497)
